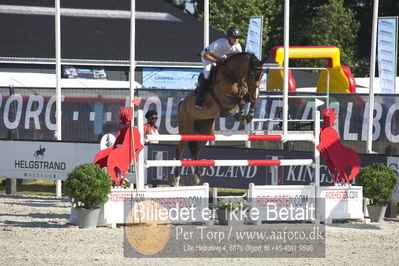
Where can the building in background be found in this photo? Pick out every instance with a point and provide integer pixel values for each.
(95, 40)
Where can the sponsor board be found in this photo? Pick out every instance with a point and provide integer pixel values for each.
(54, 160)
(341, 202)
(183, 204)
(242, 176)
(393, 162)
(43, 160)
(283, 203)
(86, 117)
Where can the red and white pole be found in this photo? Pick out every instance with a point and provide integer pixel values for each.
(179, 163)
(232, 137)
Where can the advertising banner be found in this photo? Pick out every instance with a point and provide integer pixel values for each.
(88, 114)
(43, 160)
(254, 37)
(170, 78)
(54, 160)
(393, 162)
(242, 176)
(72, 72)
(387, 53)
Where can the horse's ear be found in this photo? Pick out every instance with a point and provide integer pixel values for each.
(264, 60)
(267, 59)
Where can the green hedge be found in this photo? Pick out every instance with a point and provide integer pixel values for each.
(378, 181)
(88, 185)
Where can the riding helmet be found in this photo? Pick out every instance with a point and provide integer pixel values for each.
(233, 32)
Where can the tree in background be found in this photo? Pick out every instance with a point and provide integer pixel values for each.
(301, 14)
(224, 14)
(364, 14)
(335, 25)
(312, 22)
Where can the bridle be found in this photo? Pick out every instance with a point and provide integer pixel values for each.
(242, 85)
(252, 91)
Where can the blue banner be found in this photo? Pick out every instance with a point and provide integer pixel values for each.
(170, 78)
(254, 38)
(387, 53)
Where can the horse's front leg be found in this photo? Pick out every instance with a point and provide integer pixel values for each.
(196, 149)
(239, 116)
(250, 114)
(197, 176)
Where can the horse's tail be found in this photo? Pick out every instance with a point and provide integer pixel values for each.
(197, 126)
(192, 145)
(203, 126)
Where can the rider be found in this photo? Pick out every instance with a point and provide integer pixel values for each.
(216, 53)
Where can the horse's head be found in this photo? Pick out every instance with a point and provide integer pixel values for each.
(255, 73)
(245, 67)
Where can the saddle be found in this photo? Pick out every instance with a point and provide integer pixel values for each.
(211, 80)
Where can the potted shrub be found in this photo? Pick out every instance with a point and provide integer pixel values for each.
(378, 181)
(229, 211)
(88, 186)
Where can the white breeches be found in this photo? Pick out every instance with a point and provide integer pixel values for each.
(207, 67)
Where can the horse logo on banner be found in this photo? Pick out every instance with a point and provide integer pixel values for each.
(40, 152)
(118, 157)
(338, 157)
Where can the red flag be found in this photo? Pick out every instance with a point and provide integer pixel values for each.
(136, 101)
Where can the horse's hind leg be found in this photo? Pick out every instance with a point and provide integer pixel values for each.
(196, 147)
(179, 156)
(205, 127)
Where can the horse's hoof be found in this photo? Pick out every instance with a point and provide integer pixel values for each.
(247, 119)
(176, 183)
(236, 118)
(196, 180)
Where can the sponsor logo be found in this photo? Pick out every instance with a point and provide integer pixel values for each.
(45, 165)
(39, 154)
(39, 163)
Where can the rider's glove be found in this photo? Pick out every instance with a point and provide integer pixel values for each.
(221, 60)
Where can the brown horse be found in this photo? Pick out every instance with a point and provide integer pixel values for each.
(233, 85)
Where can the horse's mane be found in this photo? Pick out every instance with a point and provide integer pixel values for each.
(253, 60)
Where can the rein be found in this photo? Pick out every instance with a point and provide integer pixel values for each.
(240, 82)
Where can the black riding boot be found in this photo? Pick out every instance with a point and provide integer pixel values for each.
(200, 91)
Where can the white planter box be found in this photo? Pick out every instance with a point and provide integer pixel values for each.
(283, 203)
(341, 202)
(332, 202)
(122, 201)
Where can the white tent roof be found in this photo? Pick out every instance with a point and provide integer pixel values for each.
(34, 80)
